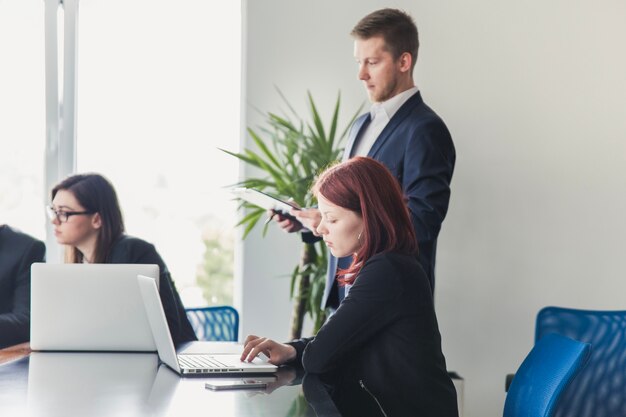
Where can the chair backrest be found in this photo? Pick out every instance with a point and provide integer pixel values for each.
(539, 382)
(220, 323)
(600, 389)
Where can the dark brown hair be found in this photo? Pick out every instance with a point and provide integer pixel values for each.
(96, 194)
(397, 29)
(366, 187)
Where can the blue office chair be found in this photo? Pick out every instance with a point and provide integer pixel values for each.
(219, 323)
(600, 389)
(539, 382)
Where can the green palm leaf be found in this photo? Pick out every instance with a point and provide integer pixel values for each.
(289, 151)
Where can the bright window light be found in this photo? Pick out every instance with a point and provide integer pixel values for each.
(22, 116)
(158, 94)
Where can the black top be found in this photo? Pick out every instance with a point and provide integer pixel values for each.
(17, 253)
(131, 250)
(381, 350)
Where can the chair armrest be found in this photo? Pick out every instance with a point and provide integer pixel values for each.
(507, 381)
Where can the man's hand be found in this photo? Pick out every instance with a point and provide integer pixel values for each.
(288, 225)
(310, 218)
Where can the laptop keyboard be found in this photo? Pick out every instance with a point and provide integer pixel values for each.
(200, 362)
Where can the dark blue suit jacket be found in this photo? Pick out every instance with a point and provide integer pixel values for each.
(18, 251)
(417, 148)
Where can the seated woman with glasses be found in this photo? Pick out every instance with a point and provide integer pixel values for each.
(87, 219)
(381, 350)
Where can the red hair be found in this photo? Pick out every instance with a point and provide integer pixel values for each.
(366, 187)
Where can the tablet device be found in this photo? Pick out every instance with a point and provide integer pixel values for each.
(263, 200)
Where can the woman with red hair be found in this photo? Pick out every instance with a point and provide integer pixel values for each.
(382, 348)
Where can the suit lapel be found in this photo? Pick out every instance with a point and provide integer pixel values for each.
(359, 127)
(397, 118)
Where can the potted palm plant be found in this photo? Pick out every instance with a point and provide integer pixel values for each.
(290, 152)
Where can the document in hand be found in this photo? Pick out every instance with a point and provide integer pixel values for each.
(263, 200)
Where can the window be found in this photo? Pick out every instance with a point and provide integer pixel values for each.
(158, 94)
(22, 116)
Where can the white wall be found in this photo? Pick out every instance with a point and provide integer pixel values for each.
(534, 94)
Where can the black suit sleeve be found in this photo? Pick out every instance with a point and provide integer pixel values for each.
(429, 159)
(15, 325)
(309, 237)
(366, 311)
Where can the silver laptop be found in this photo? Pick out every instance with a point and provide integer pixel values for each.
(89, 307)
(188, 363)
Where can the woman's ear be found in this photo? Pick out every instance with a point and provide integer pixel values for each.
(96, 221)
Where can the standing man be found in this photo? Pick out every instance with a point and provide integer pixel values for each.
(18, 251)
(400, 131)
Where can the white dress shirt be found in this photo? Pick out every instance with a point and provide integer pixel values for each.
(380, 114)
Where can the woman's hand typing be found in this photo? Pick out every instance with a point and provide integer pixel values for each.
(277, 353)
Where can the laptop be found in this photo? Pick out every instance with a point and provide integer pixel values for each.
(190, 363)
(89, 307)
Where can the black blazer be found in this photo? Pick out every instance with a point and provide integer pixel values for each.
(131, 250)
(18, 251)
(417, 148)
(381, 350)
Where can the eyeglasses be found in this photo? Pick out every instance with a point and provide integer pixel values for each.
(63, 216)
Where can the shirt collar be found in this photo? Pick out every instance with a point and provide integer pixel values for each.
(391, 106)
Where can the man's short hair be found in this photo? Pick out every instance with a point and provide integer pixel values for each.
(397, 29)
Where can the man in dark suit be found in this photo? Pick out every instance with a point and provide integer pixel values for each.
(400, 131)
(17, 253)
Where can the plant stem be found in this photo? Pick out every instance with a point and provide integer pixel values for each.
(299, 308)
